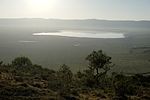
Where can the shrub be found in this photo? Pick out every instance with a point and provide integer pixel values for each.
(21, 62)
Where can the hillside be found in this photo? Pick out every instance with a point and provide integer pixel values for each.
(22, 80)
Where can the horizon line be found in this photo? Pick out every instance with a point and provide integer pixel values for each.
(78, 19)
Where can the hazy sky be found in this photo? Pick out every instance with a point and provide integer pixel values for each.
(76, 9)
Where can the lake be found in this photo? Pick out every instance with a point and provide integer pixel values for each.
(82, 34)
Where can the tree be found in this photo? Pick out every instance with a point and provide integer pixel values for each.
(65, 74)
(21, 62)
(65, 78)
(1, 62)
(99, 63)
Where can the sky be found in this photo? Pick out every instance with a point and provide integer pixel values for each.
(76, 9)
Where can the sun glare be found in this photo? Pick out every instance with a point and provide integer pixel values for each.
(39, 2)
(41, 5)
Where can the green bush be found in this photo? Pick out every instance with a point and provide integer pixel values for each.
(21, 62)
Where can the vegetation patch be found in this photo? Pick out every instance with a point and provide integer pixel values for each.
(24, 80)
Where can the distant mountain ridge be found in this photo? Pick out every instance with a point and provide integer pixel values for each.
(73, 24)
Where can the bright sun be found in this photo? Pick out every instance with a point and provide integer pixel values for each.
(40, 2)
(41, 5)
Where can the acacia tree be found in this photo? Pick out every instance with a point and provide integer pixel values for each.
(99, 63)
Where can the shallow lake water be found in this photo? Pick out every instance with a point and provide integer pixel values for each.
(82, 34)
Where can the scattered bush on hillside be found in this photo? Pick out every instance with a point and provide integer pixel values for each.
(29, 80)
